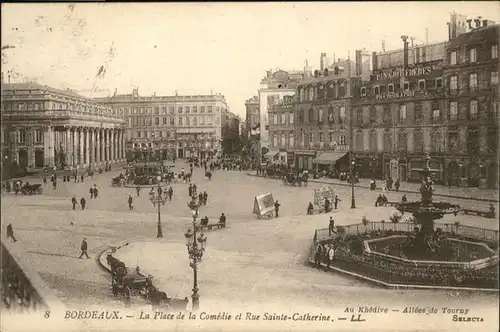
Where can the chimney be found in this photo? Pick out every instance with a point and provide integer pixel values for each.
(116, 92)
(358, 62)
(374, 61)
(485, 23)
(404, 38)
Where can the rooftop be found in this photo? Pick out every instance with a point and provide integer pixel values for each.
(39, 87)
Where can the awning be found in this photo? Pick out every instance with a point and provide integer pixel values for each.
(271, 154)
(327, 158)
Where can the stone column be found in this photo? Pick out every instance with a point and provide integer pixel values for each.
(75, 146)
(122, 145)
(98, 146)
(92, 145)
(48, 147)
(81, 160)
(69, 150)
(112, 145)
(108, 138)
(87, 147)
(30, 141)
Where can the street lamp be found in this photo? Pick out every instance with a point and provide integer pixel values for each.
(353, 201)
(195, 252)
(157, 199)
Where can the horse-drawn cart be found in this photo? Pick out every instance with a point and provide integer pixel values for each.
(294, 179)
(31, 189)
(118, 181)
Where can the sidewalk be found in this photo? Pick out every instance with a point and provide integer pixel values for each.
(484, 195)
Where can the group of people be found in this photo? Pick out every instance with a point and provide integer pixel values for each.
(327, 207)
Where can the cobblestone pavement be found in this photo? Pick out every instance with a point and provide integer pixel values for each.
(252, 262)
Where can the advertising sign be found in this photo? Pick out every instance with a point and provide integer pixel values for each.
(321, 193)
(263, 204)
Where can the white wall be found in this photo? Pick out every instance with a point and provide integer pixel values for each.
(264, 117)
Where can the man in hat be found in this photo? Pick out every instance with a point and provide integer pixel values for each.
(74, 202)
(84, 248)
(130, 207)
(10, 232)
(331, 227)
(83, 202)
(277, 208)
(330, 254)
(317, 255)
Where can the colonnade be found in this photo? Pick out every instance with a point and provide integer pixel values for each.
(83, 146)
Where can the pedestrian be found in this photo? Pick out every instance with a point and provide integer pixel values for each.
(205, 197)
(170, 193)
(74, 202)
(310, 208)
(130, 207)
(277, 208)
(327, 205)
(200, 198)
(404, 199)
(397, 184)
(96, 192)
(331, 226)
(10, 232)
(138, 190)
(222, 220)
(83, 202)
(54, 185)
(190, 190)
(336, 201)
(91, 191)
(317, 255)
(81, 178)
(84, 248)
(44, 179)
(330, 255)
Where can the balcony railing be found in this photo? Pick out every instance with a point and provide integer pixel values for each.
(22, 288)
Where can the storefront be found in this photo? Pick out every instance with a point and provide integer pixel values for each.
(272, 156)
(332, 162)
(304, 160)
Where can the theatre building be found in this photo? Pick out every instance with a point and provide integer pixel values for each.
(399, 114)
(471, 76)
(44, 127)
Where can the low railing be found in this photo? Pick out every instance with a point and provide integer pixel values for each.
(470, 232)
(22, 288)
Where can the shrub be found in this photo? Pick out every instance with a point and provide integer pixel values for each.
(340, 229)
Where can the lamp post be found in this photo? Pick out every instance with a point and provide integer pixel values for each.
(195, 252)
(353, 200)
(157, 198)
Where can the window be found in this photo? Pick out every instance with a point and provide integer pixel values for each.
(311, 116)
(275, 119)
(321, 137)
(311, 137)
(418, 141)
(386, 115)
(437, 143)
(275, 140)
(157, 110)
(195, 109)
(290, 118)
(202, 109)
(195, 121)
(157, 121)
(473, 110)
(492, 140)
(453, 58)
(209, 109)
(359, 116)
(172, 121)
(311, 94)
(187, 109)
(342, 113)
(421, 85)
(38, 136)
(406, 86)
(473, 81)
(472, 55)
(453, 83)
(494, 78)
(283, 118)
(402, 140)
(402, 113)
(180, 121)
(161, 134)
(135, 110)
(472, 140)
(291, 140)
(439, 83)
(363, 92)
(391, 88)
(417, 112)
(494, 51)
(320, 115)
(148, 110)
(164, 121)
(37, 106)
(217, 109)
(330, 136)
(372, 142)
(187, 121)
(342, 140)
(202, 120)
(436, 115)
(453, 110)
(138, 134)
(283, 141)
(164, 109)
(179, 110)
(376, 89)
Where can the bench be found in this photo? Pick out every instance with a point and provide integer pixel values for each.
(389, 204)
(486, 214)
(210, 226)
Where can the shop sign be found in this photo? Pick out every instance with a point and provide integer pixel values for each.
(401, 72)
(396, 95)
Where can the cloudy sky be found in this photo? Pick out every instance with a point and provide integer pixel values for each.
(199, 47)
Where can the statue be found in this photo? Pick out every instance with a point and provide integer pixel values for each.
(426, 190)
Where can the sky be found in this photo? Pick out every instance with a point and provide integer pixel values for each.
(200, 48)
